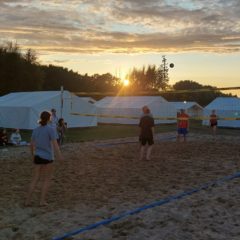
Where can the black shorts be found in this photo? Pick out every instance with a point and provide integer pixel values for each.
(213, 124)
(145, 141)
(39, 160)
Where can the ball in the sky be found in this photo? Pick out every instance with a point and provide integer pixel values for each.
(171, 65)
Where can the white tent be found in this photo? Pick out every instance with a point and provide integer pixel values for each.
(22, 109)
(226, 107)
(193, 109)
(88, 99)
(131, 106)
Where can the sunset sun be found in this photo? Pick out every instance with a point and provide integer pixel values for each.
(125, 82)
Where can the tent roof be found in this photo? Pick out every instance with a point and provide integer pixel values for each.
(185, 105)
(27, 99)
(128, 101)
(222, 103)
(88, 99)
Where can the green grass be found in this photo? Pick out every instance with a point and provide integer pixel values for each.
(196, 127)
(102, 132)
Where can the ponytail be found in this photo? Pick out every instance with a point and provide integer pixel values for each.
(44, 118)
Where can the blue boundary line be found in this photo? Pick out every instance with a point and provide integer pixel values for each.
(151, 205)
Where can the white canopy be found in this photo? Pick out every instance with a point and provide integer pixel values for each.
(131, 106)
(228, 107)
(22, 109)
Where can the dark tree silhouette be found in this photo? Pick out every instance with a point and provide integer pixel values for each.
(202, 94)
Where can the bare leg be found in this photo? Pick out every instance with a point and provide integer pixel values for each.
(214, 131)
(149, 151)
(47, 171)
(178, 138)
(35, 178)
(142, 149)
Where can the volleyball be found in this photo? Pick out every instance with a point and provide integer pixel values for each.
(171, 65)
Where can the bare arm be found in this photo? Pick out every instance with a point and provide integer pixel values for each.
(32, 148)
(57, 150)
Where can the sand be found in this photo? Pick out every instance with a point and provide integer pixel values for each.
(98, 180)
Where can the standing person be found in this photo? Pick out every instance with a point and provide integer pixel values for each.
(4, 137)
(213, 122)
(54, 118)
(146, 125)
(61, 128)
(42, 144)
(183, 125)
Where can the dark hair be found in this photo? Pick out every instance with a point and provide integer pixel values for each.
(44, 118)
(61, 121)
(146, 110)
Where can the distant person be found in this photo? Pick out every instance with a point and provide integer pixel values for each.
(4, 137)
(54, 119)
(146, 126)
(61, 129)
(43, 142)
(15, 137)
(182, 125)
(213, 122)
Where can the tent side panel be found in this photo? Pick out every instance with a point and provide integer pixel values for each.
(15, 117)
(163, 109)
(126, 112)
(76, 105)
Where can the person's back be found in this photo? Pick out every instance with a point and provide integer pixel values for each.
(146, 124)
(42, 144)
(42, 136)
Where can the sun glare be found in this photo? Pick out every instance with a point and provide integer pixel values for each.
(125, 82)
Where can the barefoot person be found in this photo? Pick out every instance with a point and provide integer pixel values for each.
(42, 144)
(146, 125)
(182, 125)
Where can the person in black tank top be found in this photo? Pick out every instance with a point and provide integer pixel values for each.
(146, 126)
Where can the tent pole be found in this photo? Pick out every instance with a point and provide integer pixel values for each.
(61, 101)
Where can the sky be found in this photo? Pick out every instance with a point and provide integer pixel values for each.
(201, 37)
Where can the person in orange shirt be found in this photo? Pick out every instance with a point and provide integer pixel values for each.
(182, 125)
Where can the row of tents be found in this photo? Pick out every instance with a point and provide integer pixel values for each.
(21, 110)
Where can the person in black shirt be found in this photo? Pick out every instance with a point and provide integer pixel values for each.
(146, 125)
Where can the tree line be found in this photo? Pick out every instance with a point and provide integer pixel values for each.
(20, 71)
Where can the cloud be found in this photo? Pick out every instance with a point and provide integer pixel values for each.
(127, 26)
